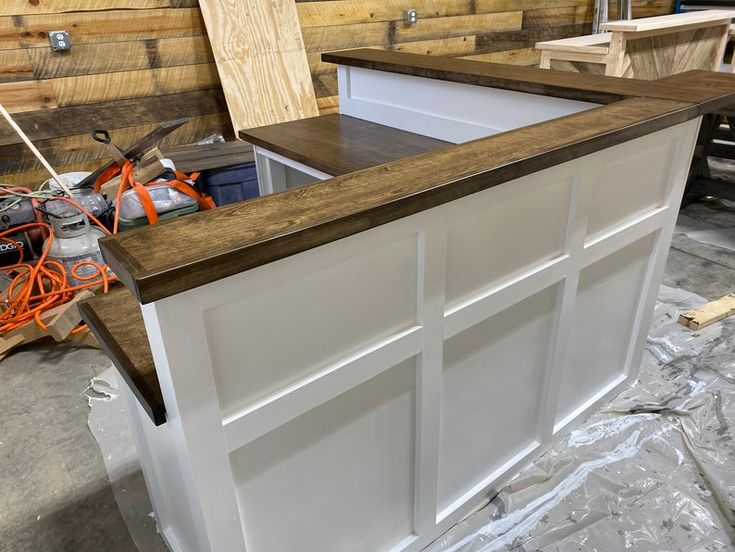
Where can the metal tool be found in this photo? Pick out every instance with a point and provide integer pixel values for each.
(134, 152)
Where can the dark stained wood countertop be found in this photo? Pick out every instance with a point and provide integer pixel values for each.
(155, 262)
(117, 323)
(547, 82)
(337, 144)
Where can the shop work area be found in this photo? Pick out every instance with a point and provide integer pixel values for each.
(367, 276)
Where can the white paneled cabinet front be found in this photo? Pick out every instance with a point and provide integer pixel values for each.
(368, 393)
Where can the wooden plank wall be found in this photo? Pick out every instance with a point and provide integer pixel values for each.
(135, 63)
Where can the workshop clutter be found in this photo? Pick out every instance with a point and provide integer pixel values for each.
(50, 258)
(231, 184)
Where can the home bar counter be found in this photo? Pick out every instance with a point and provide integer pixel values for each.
(357, 363)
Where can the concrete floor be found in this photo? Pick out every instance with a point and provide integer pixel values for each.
(54, 490)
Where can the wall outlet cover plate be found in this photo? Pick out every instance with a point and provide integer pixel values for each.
(60, 40)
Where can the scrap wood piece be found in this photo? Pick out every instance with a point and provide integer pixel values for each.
(59, 321)
(64, 318)
(710, 313)
(261, 60)
(84, 338)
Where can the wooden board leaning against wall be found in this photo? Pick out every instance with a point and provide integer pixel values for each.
(135, 63)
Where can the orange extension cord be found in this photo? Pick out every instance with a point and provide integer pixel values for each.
(43, 285)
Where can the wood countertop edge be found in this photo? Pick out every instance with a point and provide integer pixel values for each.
(345, 129)
(574, 86)
(150, 399)
(277, 243)
(290, 153)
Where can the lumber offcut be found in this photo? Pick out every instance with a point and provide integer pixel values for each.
(710, 313)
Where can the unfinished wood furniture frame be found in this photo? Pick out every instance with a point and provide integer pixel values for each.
(649, 48)
(358, 363)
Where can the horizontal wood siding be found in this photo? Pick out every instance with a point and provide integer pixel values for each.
(138, 62)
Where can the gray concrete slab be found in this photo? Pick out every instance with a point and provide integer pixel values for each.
(55, 494)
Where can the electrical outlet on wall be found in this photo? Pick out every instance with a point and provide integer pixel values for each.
(410, 16)
(60, 40)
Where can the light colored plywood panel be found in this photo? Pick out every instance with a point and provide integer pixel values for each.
(27, 96)
(254, 102)
(240, 337)
(300, 482)
(108, 26)
(475, 241)
(492, 384)
(607, 300)
(261, 59)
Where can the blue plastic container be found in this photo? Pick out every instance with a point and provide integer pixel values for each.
(230, 184)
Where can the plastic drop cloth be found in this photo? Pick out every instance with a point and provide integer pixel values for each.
(654, 470)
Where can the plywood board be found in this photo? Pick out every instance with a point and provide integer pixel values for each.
(261, 60)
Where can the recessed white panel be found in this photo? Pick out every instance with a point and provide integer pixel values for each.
(632, 179)
(338, 478)
(492, 383)
(262, 342)
(602, 324)
(513, 227)
(445, 110)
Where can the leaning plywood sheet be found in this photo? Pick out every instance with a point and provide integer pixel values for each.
(261, 61)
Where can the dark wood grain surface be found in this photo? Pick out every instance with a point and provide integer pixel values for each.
(564, 84)
(158, 261)
(337, 144)
(210, 156)
(117, 323)
(66, 121)
(179, 255)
